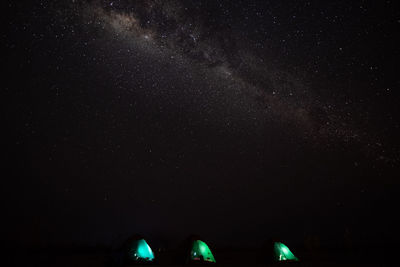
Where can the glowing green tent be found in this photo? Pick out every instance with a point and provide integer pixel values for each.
(283, 253)
(201, 252)
(140, 251)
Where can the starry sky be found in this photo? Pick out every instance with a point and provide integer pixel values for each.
(235, 120)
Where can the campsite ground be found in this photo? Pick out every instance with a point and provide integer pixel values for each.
(95, 258)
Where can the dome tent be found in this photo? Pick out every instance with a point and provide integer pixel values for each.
(274, 251)
(196, 251)
(137, 251)
(283, 253)
(201, 252)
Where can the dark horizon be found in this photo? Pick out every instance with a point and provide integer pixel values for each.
(238, 121)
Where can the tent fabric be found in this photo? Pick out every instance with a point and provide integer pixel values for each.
(140, 251)
(283, 253)
(201, 252)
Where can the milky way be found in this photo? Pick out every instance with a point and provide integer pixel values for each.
(257, 118)
(255, 88)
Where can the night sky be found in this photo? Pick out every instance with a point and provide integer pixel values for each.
(235, 120)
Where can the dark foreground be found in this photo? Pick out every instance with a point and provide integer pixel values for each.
(62, 257)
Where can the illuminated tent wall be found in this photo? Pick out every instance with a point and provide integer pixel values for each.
(201, 252)
(283, 253)
(138, 251)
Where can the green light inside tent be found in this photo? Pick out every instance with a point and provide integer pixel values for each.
(200, 251)
(140, 251)
(283, 253)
